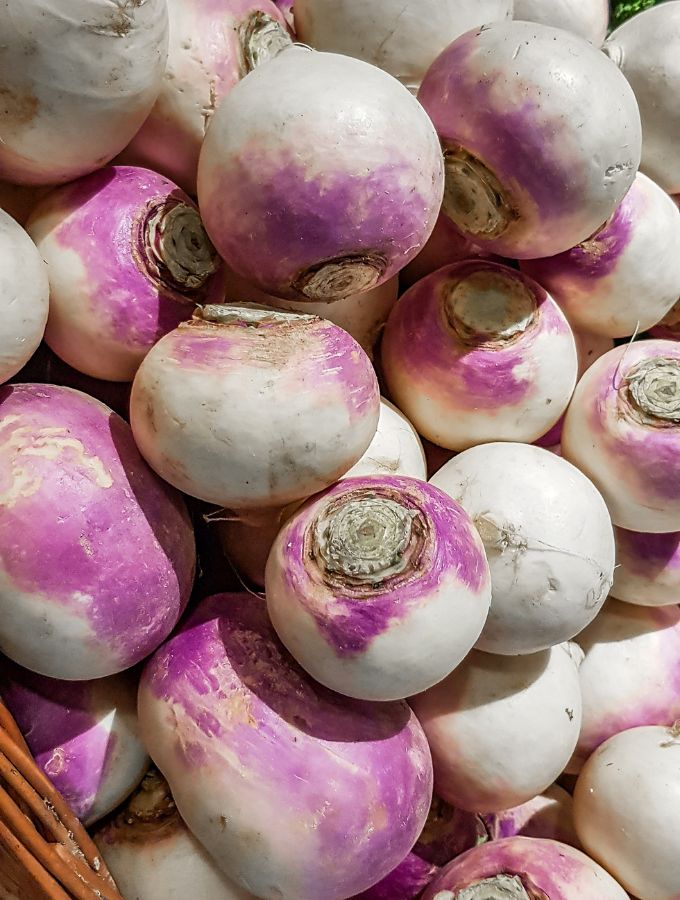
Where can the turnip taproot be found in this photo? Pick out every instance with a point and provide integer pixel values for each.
(478, 352)
(207, 413)
(587, 18)
(378, 587)
(548, 538)
(647, 568)
(320, 176)
(549, 815)
(627, 809)
(502, 728)
(24, 297)
(622, 429)
(97, 552)
(83, 735)
(127, 259)
(519, 108)
(271, 771)
(78, 79)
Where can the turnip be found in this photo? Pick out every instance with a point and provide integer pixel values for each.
(622, 429)
(401, 37)
(647, 568)
(320, 176)
(522, 868)
(286, 7)
(587, 18)
(24, 297)
(606, 284)
(378, 587)
(531, 167)
(78, 79)
(208, 412)
(549, 815)
(361, 315)
(293, 790)
(213, 44)
(548, 538)
(630, 674)
(669, 327)
(502, 728)
(152, 855)
(97, 553)
(83, 735)
(647, 50)
(478, 352)
(127, 259)
(627, 809)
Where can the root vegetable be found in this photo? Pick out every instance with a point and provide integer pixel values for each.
(647, 568)
(549, 815)
(587, 18)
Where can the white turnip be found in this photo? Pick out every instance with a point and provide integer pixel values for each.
(587, 18)
(647, 567)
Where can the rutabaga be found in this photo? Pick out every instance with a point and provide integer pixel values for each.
(271, 771)
(248, 407)
(213, 44)
(625, 277)
(320, 176)
(622, 429)
(127, 259)
(502, 728)
(522, 868)
(630, 675)
(97, 552)
(378, 587)
(549, 815)
(401, 37)
(152, 855)
(587, 18)
(647, 50)
(24, 296)
(478, 352)
(548, 538)
(531, 170)
(78, 79)
(83, 735)
(627, 810)
(647, 568)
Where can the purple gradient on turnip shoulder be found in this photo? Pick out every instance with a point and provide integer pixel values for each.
(648, 555)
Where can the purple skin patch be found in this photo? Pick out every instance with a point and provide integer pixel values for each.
(648, 555)
(406, 882)
(305, 748)
(349, 623)
(271, 220)
(102, 215)
(553, 437)
(86, 524)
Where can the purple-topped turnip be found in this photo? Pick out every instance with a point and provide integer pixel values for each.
(627, 809)
(379, 587)
(479, 352)
(78, 79)
(622, 429)
(24, 297)
(523, 868)
(548, 538)
(320, 176)
(647, 568)
(606, 285)
(127, 259)
(294, 791)
(83, 735)
(97, 552)
(519, 108)
(208, 412)
(549, 815)
(213, 44)
(403, 38)
(630, 675)
(647, 50)
(502, 728)
(587, 18)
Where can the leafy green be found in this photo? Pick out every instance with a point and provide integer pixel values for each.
(624, 9)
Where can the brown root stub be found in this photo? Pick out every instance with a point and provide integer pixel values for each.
(653, 391)
(490, 307)
(261, 38)
(176, 248)
(336, 279)
(474, 198)
(251, 315)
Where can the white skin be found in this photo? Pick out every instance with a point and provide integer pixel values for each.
(81, 76)
(24, 297)
(548, 538)
(627, 810)
(403, 38)
(588, 18)
(647, 50)
(500, 728)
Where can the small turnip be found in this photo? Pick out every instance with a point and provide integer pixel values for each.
(587, 18)
(647, 568)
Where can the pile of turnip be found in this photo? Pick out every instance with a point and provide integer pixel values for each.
(340, 442)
